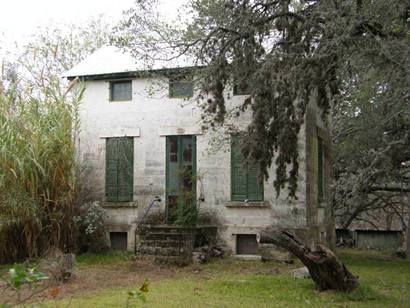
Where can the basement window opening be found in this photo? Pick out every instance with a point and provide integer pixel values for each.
(246, 244)
(119, 241)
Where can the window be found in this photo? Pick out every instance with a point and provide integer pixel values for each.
(246, 244)
(181, 88)
(119, 171)
(246, 176)
(320, 169)
(119, 240)
(240, 87)
(121, 90)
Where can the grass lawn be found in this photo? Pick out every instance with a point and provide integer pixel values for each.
(385, 282)
(104, 281)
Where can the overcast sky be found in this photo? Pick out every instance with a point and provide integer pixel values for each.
(20, 18)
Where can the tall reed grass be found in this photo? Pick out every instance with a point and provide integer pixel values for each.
(37, 174)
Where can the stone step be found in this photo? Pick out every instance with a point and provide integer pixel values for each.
(165, 236)
(167, 229)
(161, 251)
(165, 243)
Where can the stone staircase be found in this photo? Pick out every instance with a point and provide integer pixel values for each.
(165, 244)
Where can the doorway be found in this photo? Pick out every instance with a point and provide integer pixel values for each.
(180, 174)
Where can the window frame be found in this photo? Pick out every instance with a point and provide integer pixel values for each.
(236, 90)
(172, 81)
(111, 90)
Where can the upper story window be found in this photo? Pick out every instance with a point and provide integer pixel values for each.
(121, 90)
(181, 87)
(241, 87)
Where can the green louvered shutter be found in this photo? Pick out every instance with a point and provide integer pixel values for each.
(111, 168)
(238, 170)
(247, 180)
(320, 169)
(255, 182)
(125, 169)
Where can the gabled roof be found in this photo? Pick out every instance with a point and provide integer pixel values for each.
(110, 61)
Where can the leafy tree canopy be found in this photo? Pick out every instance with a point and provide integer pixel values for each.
(35, 67)
(287, 52)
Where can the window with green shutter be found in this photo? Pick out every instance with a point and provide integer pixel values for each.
(121, 90)
(241, 88)
(320, 169)
(119, 171)
(246, 175)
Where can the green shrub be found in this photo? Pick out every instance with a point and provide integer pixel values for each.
(90, 224)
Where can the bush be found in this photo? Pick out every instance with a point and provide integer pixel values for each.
(187, 211)
(92, 235)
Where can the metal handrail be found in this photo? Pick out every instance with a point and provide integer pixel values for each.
(139, 221)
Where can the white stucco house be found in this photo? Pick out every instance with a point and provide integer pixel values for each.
(138, 130)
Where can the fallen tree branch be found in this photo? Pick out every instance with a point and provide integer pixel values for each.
(325, 268)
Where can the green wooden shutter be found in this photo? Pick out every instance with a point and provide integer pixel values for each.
(246, 177)
(255, 182)
(238, 172)
(125, 169)
(111, 174)
(320, 169)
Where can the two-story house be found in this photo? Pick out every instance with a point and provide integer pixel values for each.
(139, 130)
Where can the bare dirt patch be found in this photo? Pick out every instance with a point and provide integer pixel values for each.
(91, 279)
(94, 279)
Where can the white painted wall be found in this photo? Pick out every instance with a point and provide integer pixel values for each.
(149, 118)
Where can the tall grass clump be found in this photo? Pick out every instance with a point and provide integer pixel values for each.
(37, 173)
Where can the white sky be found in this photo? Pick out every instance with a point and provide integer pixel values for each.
(20, 18)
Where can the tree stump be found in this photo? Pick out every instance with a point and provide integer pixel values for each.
(326, 270)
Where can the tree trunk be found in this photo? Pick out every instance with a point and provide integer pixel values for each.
(325, 268)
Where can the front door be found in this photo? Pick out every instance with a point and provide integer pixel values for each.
(180, 173)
